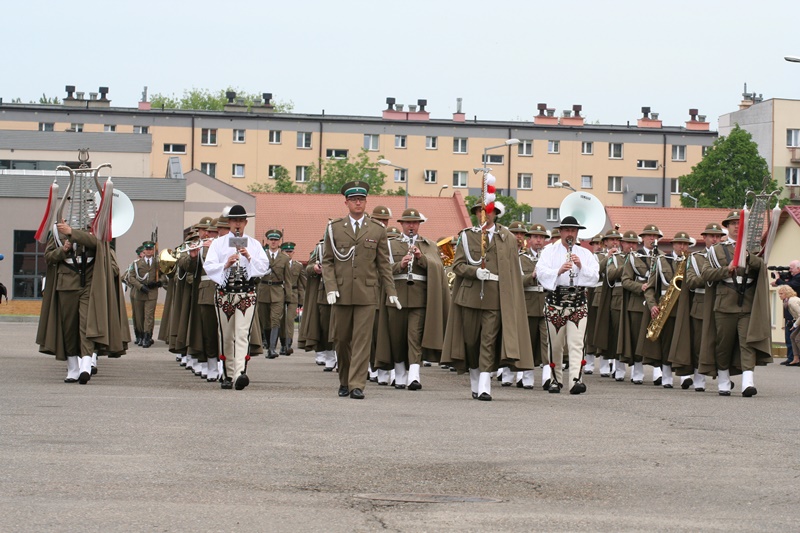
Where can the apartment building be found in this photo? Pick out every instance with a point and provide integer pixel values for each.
(775, 127)
(635, 164)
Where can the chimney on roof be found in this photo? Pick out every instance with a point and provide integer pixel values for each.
(573, 117)
(390, 103)
(648, 120)
(697, 122)
(230, 95)
(103, 93)
(70, 89)
(542, 108)
(422, 103)
(645, 112)
(545, 116)
(577, 108)
(234, 104)
(263, 106)
(459, 115)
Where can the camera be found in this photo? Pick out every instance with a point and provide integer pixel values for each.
(781, 272)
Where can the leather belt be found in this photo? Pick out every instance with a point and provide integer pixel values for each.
(534, 288)
(699, 291)
(415, 277)
(294, 287)
(77, 260)
(272, 282)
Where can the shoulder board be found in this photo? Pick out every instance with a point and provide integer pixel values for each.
(376, 221)
(335, 220)
(474, 229)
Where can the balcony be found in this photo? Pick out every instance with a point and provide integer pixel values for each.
(794, 154)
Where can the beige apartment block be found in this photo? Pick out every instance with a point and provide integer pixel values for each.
(775, 127)
(634, 164)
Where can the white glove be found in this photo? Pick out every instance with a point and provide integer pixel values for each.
(396, 301)
(332, 297)
(483, 274)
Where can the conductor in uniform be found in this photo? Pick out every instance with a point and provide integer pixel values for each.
(356, 259)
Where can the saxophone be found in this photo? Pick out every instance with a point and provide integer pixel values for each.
(667, 302)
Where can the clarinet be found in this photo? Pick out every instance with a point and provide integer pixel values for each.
(570, 244)
(411, 246)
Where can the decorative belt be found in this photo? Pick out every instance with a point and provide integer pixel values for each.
(493, 277)
(739, 279)
(205, 278)
(272, 282)
(534, 288)
(415, 277)
(699, 291)
(599, 284)
(618, 284)
(641, 278)
(567, 296)
(242, 286)
(77, 260)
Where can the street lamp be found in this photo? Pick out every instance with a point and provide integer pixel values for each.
(445, 186)
(388, 163)
(687, 195)
(564, 184)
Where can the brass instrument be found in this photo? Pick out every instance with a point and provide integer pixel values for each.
(447, 250)
(167, 261)
(667, 302)
(411, 248)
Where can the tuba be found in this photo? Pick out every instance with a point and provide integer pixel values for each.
(588, 210)
(667, 302)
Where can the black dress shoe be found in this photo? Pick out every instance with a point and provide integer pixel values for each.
(578, 388)
(399, 387)
(226, 384)
(70, 380)
(749, 392)
(688, 382)
(343, 391)
(357, 394)
(328, 369)
(453, 369)
(699, 389)
(506, 384)
(474, 395)
(546, 385)
(519, 384)
(657, 382)
(667, 386)
(605, 375)
(554, 388)
(426, 363)
(724, 393)
(588, 372)
(271, 355)
(383, 383)
(374, 380)
(485, 397)
(83, 379)
(785, 363)
(241, 382)
(283, 350)
(289, 351)
(94, 370)
(527, 387)
(414, 385)
(619, 379)
(320, 363)
(637, 382)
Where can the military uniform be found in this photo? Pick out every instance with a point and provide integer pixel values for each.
(297, 283)
(534, 305)
(146, 281)
(609, 305)
(380, 376)
(356, 259)
(315, 326)
(593, 295)
(274, 292)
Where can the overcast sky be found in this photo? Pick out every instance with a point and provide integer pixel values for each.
(347, 56)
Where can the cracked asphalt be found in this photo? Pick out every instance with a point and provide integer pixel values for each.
(146, 446)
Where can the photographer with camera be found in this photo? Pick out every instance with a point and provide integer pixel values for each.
(787, 276)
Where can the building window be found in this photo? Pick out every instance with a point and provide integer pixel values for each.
(238, 170)
(793, 138)
(143, 130)
(679, 152)
(524, 181)
(46, 126)
(586, 182)
(209, 169)
(587, 148)
(492, 159)
(647, 164)
(793, 177)
(400, 141)
(304, 140)
(552, 214)
(275, 136)
(208, 136)
(300, 174)
(336, 153)
(109, 128)
(430, 176)
(705, 150)
(525, 148)
(615, 150)
(615, 184)
(431, 143)
(29, 265)
(552, 179)
(459, 145)
(238, 136)
(526, 217)
(646, 198)
(400, 175)
(272, 171)
(371, 142)
(174, 148)
(76, 128)
(460, 178)
(674, 186)
(553, 147)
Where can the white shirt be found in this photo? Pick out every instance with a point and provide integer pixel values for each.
(360, 222)
(219, 252)
(555, 255)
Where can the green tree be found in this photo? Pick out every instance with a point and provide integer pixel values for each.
(45, 100)
(513, 210)
(283, 183)
(207, 100)
(731, 167)
(329, 175)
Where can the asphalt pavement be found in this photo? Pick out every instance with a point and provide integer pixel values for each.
(147, 446)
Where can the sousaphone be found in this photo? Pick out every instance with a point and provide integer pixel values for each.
(587, 210)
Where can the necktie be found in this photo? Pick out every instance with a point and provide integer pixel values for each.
(355, 228)
(148, 261)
